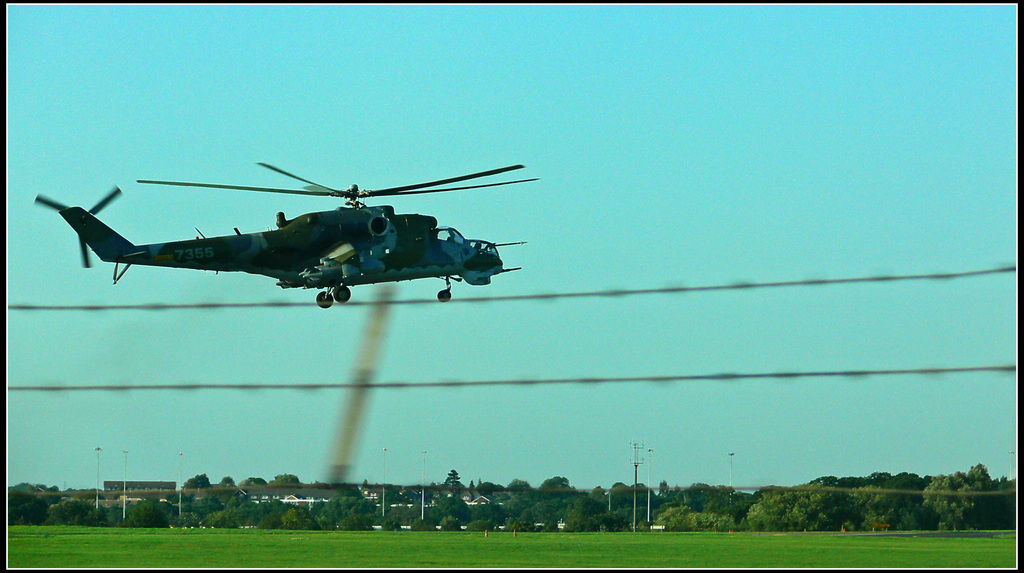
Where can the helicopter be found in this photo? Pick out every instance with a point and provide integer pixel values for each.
(331, 251)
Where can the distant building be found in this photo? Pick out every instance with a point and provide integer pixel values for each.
(139, 485)
(294, 496)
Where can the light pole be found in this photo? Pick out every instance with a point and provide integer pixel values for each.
(649, 451)
(383, 485)
(731, 454)
(98, 450)
(124, 488)
(423, 488)
(181, 486)
(637, 460)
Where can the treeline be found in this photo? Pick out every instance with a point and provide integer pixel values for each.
(971, 500)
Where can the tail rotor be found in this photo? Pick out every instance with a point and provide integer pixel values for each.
(58, 206)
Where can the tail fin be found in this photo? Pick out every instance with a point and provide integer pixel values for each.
(106, 243)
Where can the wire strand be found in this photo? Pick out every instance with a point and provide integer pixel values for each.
(741, 286)
(725, 377)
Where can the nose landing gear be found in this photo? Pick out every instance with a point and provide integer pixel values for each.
(446, 294)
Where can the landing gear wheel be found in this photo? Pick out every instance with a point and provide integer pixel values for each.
(444, 295)
(324, 300)
(342, 293)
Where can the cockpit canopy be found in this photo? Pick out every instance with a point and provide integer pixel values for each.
(450, 234)
(484, 247)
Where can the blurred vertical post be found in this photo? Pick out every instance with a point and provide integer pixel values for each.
(350, 424)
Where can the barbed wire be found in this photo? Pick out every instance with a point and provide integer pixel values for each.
(741, 286)
(662, 379)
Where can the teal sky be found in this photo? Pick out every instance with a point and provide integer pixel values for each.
(675, 145)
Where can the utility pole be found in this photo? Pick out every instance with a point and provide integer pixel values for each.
(731, 454)
(637, 461)
(423, 488)
(384, 485)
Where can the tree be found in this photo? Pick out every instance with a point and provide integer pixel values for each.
(389, 523)
(812, 509)
(224, 519)
(25, 509)
(356, 522)
(198, 482)
(253, 481)
(942, 495)
(271, 521)
(518, 524)
(188, 519)
(76, 512)
(207, 504)
(452, 482)
(557, 484)
(674, 518)
(517, 485)
(298, 518)
(480, 525)
(149, 514)
(427, 524)
(487, 488)
(285, 479)
(26, 487)
(227, 481)
(449, 523)
(586, 514)
(452, 506)
(491, 513)
(990, 509)
(956, 501)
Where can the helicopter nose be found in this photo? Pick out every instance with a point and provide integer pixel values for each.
(483, 261)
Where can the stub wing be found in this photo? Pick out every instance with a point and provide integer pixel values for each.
(339, 253)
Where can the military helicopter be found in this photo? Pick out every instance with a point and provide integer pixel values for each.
(329, 250)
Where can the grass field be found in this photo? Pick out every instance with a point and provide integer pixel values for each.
(30, 546)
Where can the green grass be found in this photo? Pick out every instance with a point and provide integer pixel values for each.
(30, 546)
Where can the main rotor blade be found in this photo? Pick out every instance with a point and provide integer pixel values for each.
(395, 190)
(293, 176)
(386, 192)
(240, 187)
(114, 194)
(50, 203)
(350, 425)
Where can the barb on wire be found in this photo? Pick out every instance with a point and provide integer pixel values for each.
(725, 377)
(528, 297)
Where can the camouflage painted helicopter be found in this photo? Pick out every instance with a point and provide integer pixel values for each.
(330, 250)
